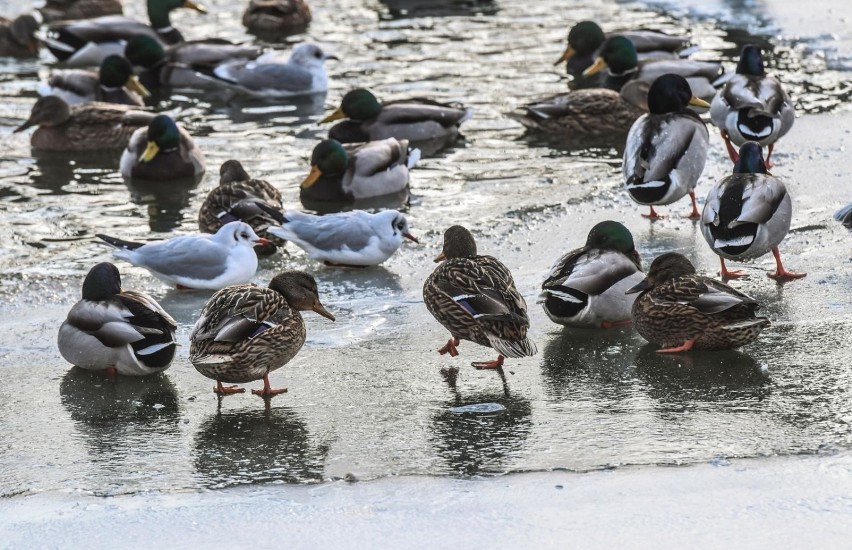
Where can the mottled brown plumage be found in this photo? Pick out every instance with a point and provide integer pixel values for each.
(68, 10)
(17, 36)
(590, 112)
(681, 310)
(276, 17)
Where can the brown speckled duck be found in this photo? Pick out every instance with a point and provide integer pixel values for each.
(17, 36)
(247, 331)
(276, 18)
(70, 10)
(589, 112)
(681, 310)
(474, 297)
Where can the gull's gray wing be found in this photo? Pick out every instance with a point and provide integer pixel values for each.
(191, 256)
(265, 76)
(330, 232)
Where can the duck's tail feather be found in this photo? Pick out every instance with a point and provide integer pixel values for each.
(513, 348)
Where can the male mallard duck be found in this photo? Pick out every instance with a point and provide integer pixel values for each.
(17, 37)
(747, 214)
(247, 331)
(196, 261)
(89, 41)
(585, 287)
(117, 330)
(113, 83)
(416, 120)
(666, 149)
(348, 239)
(752, 106)
(592, 112)
(240, 197)
(183, 65)
(619, 55)
(276, 18)
(366, 170)
(162, 151)
(70, 10)
(681, 310)
(586, 38)
(474, 297)
(844, 216)
(84, 127)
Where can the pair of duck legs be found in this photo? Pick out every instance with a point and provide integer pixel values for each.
(266, 392)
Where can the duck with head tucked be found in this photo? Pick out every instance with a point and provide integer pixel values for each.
(276, 19)
(474, 297)
(245, 332)
(680, 310)
(162, 151)
(70, 10)
(17, 37)
(114, 82)
(752, 106)
(747, 214)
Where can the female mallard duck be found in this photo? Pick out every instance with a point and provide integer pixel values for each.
(113, 83)
(586, 38)
(162, 151)
(117, 330)
(618, 54)
(666, 149)
(752, 106)
(585, 288)
(474, 297)
(366, 170)
(70, 10)
(89, 41)
(247, 331)
(595, 112)
(17, 37)
(681, 310)
(417, 120)
(276, 18)
(747, 214)
(240, 197)
(85, 127)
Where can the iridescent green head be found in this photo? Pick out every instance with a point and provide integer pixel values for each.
(163, 135)
(329, 158)
(102, 282)
(751, 159)
(115, 71)
(158, 10)
(585, 37)
(618, 53)
(611, 235)
(144, 51)
(751, 61)
(358, 104)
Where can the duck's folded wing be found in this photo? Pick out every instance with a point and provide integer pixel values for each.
(76, 81)
(143, 306)
(106, 321)
(599, 272)
(412, 111)
(709, 296)
(760, 202)
(211, 52)
(377, 156)
(486, 304)
(103, 29)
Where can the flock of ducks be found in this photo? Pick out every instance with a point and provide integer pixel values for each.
(639, 87)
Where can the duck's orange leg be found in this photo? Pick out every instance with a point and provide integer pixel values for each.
(686, 346)
(782, 275)
(695, 214)
(267, 390)
(450, 347)
(496, 364)
(727, 275)
(732, 152)
(219, 389)
(768, 164)
(652, 215)
(611, 324)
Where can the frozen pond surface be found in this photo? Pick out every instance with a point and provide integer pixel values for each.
(366, 394)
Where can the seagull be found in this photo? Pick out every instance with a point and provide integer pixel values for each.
(199, 261)
(351, 239)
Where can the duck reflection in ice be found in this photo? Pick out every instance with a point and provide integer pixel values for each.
(165, 201)
(56, 170)
(257, 446)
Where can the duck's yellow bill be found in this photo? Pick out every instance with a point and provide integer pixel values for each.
(193, 6)
(596, 67)
(318, 307)
(566, 55)
(312, 177)
(336, 115)
(150, 152)
(698, 102)
(134, 84)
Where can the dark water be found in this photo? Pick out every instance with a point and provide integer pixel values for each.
(366, 394)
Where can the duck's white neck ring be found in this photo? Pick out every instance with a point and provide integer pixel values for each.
(164, 30)
(625, 73)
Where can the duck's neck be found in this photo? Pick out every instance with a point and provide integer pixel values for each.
(162, 24)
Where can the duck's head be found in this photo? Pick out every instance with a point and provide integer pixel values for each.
(583, 39)
(144, 51)
(163, 136)
(358, 104)
(238, 233)
(115, 72)
(102, 282)
(610, 235)
(231, 171)
(751, 61)
(671, 93)
(458, 243)
(300, 291)
(308, 54)
(751, 159)
(23, 30)
(49, 110)
(665, 267)
(328, 159)
(618, 54)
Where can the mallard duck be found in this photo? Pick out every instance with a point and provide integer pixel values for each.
(416, 119)
(594, 112)
(474, 297)
(844, 216)
(113, 83)
(585, 287)
(752, 106)
(199, 261)
(681, 310)
(365, 170)
(348, 239)
(70, 10)
(747, 214)
(666, 149)
(183, 65)
(618, 54)
(88, 41)
(17, 36)
(162, 151)
(586, 38)
(85, 127)
(247, 331)
(276, 18)
(240, 197)
(117, 330)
